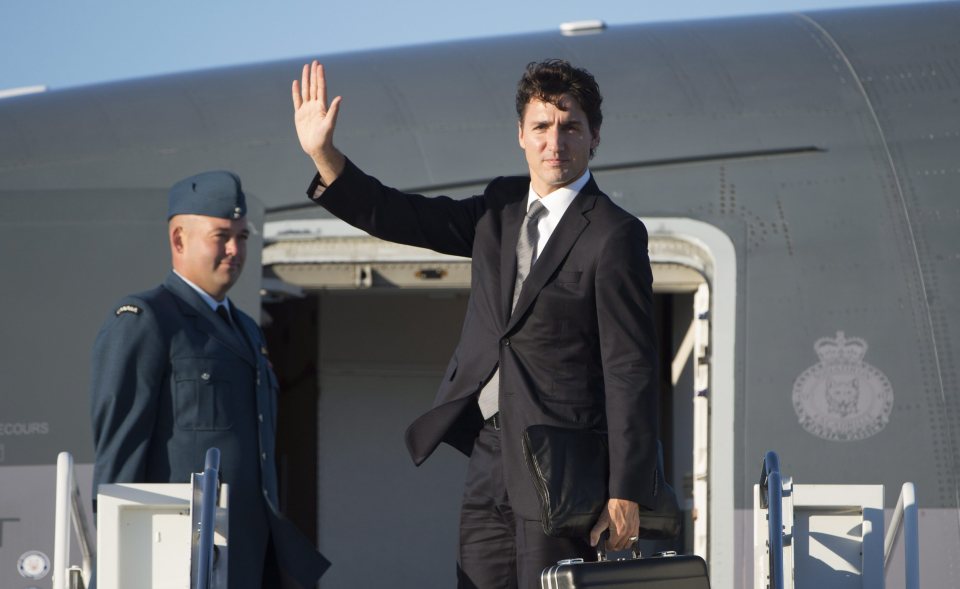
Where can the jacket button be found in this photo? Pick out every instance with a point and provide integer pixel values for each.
(260, 417)
(506, 342)
(263, 456)
(205, 376)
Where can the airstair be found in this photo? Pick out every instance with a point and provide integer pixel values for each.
(819, 536)
(156, 536)
(806, 536)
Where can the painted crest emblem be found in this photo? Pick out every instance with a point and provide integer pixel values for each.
(842, 398)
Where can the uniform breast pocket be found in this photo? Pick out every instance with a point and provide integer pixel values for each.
(201, 395)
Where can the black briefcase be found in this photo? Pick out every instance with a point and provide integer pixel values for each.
(668, 571)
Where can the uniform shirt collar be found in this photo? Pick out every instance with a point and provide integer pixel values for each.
(209, 300)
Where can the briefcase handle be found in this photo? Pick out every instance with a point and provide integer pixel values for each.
(602, 552)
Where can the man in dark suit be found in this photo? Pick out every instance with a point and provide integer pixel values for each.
(558, 327)
(179, 369)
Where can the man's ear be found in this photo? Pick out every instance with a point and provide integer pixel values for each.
(520, 133)
(176, 238)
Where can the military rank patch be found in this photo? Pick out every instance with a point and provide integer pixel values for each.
(129, 309)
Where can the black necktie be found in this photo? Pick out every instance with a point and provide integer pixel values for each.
(225, 315)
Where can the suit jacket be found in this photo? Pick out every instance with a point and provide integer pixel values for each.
(578, 350)
(170, 380)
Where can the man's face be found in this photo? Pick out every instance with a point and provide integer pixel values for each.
(209, 251)
(557, 143)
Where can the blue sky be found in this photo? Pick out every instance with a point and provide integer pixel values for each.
(63, 43)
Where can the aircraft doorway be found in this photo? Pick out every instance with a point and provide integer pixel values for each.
(376, 359)
(369, 363)
(357, 366)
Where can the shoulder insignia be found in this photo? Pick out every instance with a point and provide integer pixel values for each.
(128, 309)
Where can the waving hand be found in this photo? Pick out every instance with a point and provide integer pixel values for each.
(316, 121)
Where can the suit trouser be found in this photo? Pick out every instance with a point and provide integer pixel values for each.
(498, 550)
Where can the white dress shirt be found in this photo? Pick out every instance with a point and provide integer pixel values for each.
(556, 203)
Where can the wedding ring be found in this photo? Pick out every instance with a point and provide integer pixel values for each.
(634, 538)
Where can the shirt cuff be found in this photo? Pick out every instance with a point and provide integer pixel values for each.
(315, 191)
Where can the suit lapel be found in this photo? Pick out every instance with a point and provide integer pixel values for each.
(572, 224)
(513, 215)
(205, 319)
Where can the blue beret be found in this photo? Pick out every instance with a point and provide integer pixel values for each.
(211, 194)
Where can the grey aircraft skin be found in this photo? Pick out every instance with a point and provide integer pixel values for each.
(813, 161)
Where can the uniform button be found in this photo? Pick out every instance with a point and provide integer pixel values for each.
(205, 376)
(506, 342)
(260, 417)
(258, 381)
(263, 456)
(264, 492)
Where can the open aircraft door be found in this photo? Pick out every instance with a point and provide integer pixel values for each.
(376, 322)
(697, 263)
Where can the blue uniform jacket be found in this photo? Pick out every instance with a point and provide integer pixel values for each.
(170, 380)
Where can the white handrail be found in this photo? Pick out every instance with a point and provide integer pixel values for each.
(61, 542)
(69, 511)
(905, 513)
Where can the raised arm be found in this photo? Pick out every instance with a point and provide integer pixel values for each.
(316, 122)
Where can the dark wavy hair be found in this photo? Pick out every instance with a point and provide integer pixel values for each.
(550, 79)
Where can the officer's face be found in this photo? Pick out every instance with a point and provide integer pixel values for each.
(208, 251)
(557, 143)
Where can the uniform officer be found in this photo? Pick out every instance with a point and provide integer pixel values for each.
(179, 369)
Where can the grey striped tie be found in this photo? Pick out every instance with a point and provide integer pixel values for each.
(526, 255)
